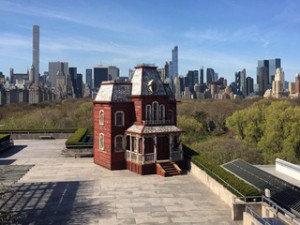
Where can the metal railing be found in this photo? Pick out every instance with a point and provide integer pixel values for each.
(139, 158)
(257, 216)
(133, 156)
(149, 157)
(157, 122)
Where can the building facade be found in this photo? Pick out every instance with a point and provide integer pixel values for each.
(105, 73)
(135, 124)
(55, 69)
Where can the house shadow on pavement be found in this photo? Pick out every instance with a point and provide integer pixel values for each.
(52, 203)
(12, 151)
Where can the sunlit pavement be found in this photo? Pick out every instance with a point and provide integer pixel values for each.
(60, 190)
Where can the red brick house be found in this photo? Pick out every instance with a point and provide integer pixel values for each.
(135, 125)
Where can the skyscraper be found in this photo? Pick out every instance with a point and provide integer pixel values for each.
(89, 77)
(249, 85)
(240, 80)
(55, 69)
(270, 67)
(202, 75)
(175, 61)
(36, 52)
(262, 76)
(273, 65)
(192, 78)
(210, 75)
(104, 73)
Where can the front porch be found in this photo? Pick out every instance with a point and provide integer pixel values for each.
(149, 158)
(148, 145)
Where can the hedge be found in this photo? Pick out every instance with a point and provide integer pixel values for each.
(220, 175)
(4, 137)
(76, 139)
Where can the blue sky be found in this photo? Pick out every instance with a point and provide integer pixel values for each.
(227, 35)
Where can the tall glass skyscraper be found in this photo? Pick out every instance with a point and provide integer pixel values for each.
(174, 61)
(36, 52)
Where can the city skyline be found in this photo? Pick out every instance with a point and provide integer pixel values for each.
(228, 36)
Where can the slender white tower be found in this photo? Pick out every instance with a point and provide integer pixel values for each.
(36, 52)
(175, 61)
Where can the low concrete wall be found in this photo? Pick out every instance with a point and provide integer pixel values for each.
(237, 206)
(38, 135)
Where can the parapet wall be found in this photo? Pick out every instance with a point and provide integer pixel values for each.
(16, 136)
(237, 206)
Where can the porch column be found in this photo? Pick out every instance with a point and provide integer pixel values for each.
(136, 148)
(143, 150)
(130, 147)
(180, 142)
(155, 148)
(170, 146)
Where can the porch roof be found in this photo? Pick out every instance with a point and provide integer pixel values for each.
(144, 129)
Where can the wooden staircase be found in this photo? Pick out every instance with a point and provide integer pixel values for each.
(167, 169)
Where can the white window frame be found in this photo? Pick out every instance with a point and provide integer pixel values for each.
(101, 117)
(161, 114)
(155, 105)
(101, 141)
(148, 112)
(123, 119)
(115, 143)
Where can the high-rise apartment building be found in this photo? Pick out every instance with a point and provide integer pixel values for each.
(278, 83)
(104, 73)
(262, 72)
(36, 53)
(89, 77)
(268, 66)
(55, 69)
(210, 75)
(273, 65)
(192, 78)
(240, 80)
(297, 83)
(249, 85)
(202, 75)
(175, 61)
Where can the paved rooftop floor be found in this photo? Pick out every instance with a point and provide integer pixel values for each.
(60, 190)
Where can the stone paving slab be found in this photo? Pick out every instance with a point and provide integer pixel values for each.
(59, 190)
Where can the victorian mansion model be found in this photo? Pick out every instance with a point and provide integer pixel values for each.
(135, 125)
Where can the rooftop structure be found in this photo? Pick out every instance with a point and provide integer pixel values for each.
(135, 123)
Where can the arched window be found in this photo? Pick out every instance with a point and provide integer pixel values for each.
(161, 112)
(101, 117)
(119, 118)
(101, 141)
(155, 110)
(148, 112)
(119, 143)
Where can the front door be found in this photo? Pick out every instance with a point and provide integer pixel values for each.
(162, 149)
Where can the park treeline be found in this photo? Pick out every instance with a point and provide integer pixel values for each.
(69, 113)
(256, 130)
(271, 127)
